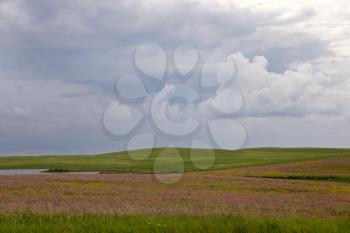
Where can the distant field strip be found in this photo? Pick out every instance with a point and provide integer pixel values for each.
(122, 162)
(317, 178)
(335, 169)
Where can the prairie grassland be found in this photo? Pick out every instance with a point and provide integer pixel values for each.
(197, 194)
(207, 201)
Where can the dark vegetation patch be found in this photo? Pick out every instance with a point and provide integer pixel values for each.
(316, 178)
(57, 170)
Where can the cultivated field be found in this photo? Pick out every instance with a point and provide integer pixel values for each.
(257, 190)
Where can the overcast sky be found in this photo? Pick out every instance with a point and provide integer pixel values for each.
(59, 61)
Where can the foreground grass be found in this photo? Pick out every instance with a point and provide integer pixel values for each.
(171, 158)
(110, 223)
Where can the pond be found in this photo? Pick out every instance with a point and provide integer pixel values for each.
(21, 171)
(8, 172)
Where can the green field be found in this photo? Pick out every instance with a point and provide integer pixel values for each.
(109, 223)
(123, 162)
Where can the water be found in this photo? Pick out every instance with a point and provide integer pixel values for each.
(9, 172)
(21, 171)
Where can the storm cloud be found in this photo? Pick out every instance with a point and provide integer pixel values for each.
(59, 61)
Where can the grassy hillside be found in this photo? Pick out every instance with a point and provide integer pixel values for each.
(170, 159)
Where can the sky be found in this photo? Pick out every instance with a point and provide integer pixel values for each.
(60, 62)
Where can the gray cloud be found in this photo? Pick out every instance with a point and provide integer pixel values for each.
(85, 40)
(58, 60)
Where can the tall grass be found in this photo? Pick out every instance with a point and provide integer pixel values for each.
(109, 223)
